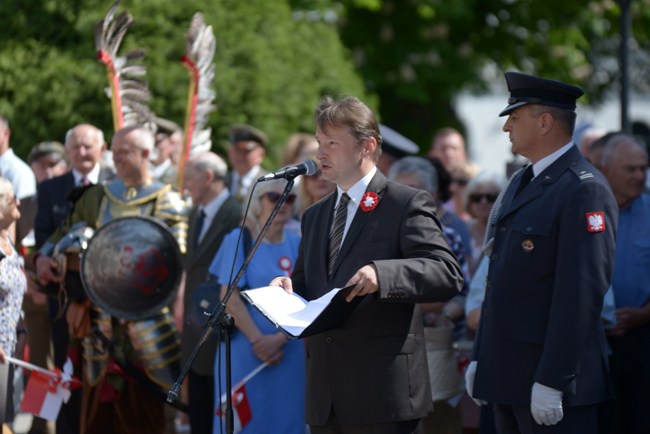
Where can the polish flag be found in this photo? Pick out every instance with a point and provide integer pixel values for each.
(46, 391)
(241, 409)
(242, 413)
(42, 397)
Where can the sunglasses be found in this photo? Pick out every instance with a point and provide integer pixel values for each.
(274, 197)
(460, 181)
(477, 197)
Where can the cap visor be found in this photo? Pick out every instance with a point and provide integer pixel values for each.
(511, 107)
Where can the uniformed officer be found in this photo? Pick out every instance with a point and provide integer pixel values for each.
(540, 354)
(393, 147)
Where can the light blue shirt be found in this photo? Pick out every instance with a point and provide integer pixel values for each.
(18, 173)
(631, 280)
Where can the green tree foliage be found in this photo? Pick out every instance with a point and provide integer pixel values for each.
(417, 55)
(271, 66)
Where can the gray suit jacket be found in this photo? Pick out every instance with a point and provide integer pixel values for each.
(373, 369)
(196, 264)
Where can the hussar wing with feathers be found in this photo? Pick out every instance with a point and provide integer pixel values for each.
(129, 93)
(200, 47)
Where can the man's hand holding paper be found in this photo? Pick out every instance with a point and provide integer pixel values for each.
(364, 281)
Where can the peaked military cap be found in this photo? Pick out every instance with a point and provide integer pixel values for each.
(528, 89)
(395, 144)
(46, 148)
(247, 133)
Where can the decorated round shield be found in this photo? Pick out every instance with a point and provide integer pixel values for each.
(132, 267)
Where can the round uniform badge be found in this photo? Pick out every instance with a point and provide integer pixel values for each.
(527, 245)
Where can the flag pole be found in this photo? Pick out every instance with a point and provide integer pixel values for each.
(245, 380)
(31, 367)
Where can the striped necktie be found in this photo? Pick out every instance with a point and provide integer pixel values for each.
(337, 232)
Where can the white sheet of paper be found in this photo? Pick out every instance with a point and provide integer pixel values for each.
(290, 311)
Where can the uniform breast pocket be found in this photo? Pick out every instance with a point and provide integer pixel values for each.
(531, 244)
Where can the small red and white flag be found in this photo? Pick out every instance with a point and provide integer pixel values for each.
(241, 408)
(46, 391)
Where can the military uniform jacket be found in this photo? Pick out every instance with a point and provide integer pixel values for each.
(550, 266)
(373, 369)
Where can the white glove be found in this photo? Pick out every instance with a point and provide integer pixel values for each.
(546, 405)
(469, 382)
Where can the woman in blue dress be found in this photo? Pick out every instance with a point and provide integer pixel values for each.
(275, 394)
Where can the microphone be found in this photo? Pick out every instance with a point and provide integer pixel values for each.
(308, 168)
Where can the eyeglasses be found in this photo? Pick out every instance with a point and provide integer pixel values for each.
(460, 181)
(477, 197)
(274, 197)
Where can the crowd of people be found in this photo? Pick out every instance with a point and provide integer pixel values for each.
(524, 295)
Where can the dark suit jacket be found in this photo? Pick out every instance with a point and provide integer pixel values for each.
(540, 321)
(373, 369)
(53, 204)
(196, 264)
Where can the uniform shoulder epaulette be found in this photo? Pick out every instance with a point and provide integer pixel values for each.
(583, 170)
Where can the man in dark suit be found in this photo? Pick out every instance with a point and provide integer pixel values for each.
(215, 212)
(84, 145)
(370, 375)
(540, 355)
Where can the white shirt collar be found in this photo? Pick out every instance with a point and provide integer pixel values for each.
(211, 209)
(542, 164)
(93, 175)
(357, 191)
(246, 180)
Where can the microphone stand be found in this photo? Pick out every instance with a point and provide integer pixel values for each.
(225, 322)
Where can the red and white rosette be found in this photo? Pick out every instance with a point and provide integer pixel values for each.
(369, 201)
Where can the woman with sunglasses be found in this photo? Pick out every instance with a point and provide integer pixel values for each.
(480, 195)
(276, 393)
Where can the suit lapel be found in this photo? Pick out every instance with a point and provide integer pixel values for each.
(216, 227)
(538, 184)
(323, 217)
(214, 230)
(191, 236)
(68, 182)
(377, 185)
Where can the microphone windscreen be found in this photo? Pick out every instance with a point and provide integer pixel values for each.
(312, 167)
